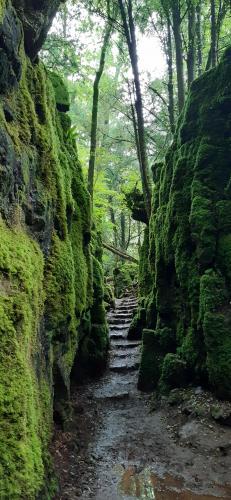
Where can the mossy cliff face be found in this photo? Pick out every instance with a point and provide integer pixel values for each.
(47, 283)
(190, 244)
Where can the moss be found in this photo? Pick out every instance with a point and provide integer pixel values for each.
(150, 367)
(25, 398)
(203, 228)
(137, 324)
(155, 344)
(224, 256)
(2, 9)
(46, 277)
(109, 298)
(223, 213)
(189, 246)
(61, 92)
(145, 277)
(42, 313)
(216, 321)
(125, 277)
(98, 314)
(173, 374)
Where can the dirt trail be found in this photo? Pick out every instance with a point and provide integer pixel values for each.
(117, 448)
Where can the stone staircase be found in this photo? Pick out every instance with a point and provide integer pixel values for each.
(124, 353)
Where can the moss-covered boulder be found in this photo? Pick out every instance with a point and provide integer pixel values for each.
(190, 237)
(155, 345)
(125, 277)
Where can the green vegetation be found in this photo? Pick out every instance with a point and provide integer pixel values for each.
(190, 240)
(25, 396)
(47, 286)
(56, 282)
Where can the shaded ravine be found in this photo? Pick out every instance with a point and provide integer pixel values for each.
(117, 448)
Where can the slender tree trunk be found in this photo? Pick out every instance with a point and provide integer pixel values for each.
(113, 219)
(191, 56)
(139, 235)
(179, 52)
(223, 8)
(129, 232)
(213, 34)
(199, 39)
(216, 25)
(170, 78)
(123, 231)
(129, 28)
(135, 128)
(95, 103)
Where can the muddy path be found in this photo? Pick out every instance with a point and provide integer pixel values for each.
(121, 447)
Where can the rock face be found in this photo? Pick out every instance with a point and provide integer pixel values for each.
(50, 271)
(188, 310)
(36, 18)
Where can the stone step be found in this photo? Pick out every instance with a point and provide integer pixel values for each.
(115, 326)
(127, 302)
(124, 353)
(118, 335)
(124, 309)
(118, 344)
(120, 367)
(122, 315)
(113, 396)
(119, 322)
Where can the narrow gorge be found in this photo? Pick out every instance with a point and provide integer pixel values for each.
(115, 382)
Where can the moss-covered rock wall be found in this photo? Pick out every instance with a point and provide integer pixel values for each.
(50, 275)
(188, 310)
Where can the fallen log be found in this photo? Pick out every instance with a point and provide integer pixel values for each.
(120, 253)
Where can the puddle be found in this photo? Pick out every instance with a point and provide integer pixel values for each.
(147, 485)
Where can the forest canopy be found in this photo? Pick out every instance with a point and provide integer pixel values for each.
(128, 66)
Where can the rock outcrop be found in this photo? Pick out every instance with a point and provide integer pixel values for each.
(188, 312)
(50, 271)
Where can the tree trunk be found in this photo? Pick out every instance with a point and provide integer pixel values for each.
(199, 39)
(95, 103)
(139, 236)
(120, 253)
(170, 78)
(179, 52)
(129, 28)
(113, 220)
(122, 226)
(191, 42)
(129, 232)
(213, 34)
(216, 25)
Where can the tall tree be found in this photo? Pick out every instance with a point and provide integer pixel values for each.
(199, 39)
(213, 33)
(169, 56)
(129, 29)
(176, 24)
(191, 53)
(95, 104)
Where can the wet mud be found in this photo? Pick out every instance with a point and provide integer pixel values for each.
(118, 448)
